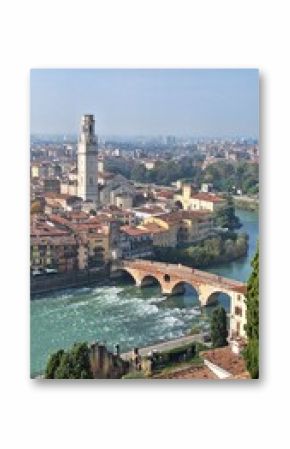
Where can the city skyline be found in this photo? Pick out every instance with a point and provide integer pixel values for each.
(130, 102)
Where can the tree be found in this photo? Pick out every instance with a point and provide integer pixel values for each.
(219, 332)
(53, 363)
(233, 174)
(226, 217)
(139, 173)
(72, 364)
(81, 361)
(252, 328)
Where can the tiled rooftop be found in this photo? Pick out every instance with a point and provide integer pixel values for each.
(226, 359)
(202, 196)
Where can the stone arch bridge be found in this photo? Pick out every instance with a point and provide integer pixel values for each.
(172, 279)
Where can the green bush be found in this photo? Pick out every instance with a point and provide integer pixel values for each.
(71, 364)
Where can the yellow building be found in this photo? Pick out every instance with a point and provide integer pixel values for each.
(188, 200)
(179, 227)
(95, 248)
(170, 223)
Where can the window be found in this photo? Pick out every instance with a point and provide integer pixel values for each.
(238, 311)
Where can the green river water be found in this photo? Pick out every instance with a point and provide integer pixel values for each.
(124, 314)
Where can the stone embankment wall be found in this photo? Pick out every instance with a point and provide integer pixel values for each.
(105, 364)
(82, 278)
(246, 203)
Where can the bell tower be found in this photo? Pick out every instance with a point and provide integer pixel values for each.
(87, 160)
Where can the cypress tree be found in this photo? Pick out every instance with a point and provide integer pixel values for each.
(252, 328)
(219, 330)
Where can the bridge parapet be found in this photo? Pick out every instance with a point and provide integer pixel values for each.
(185, 273)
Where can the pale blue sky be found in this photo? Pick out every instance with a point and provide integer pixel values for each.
(146, 101)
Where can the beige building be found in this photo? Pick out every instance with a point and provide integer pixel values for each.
(69, 188)
(117, 191)
(170, 224)
(160, 235)
(124, 201)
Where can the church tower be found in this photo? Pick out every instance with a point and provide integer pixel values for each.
(88, 160)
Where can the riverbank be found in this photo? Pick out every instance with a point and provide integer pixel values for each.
(46, 283)
(246, 203)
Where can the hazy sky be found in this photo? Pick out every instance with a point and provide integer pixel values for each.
(155, 102)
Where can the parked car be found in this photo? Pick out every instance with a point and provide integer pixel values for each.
(50, 270)
(37, 272)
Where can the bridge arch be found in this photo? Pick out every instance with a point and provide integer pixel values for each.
(180, 286)
(124, 273)
(219, 296)
(149, 280)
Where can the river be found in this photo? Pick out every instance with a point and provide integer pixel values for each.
(123, 313)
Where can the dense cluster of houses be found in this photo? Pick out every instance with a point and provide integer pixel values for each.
(69, 234)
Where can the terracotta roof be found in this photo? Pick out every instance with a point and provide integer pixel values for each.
(134, 231)
(207, 197)
(171, 217)
(53, 240)
(42, 227)
(178, 216)
(149, 210)
(193, 372)
(165, 194)
(226, 359)
(153, 228)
